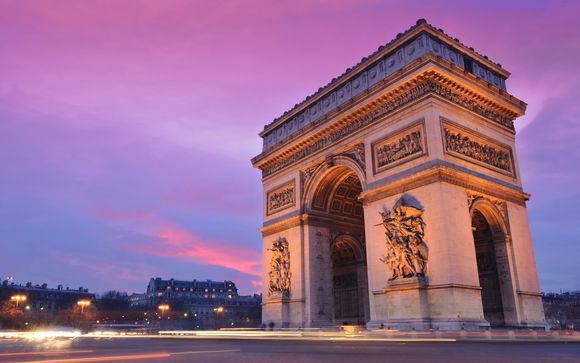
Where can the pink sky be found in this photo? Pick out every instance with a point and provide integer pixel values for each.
(126, 127)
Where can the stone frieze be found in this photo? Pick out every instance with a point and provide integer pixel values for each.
(476, 148)
(399, 147)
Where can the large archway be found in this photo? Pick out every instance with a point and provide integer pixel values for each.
(488, 271)
(335, 201)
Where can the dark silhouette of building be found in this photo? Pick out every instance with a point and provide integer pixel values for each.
(29, 305)
(41, 297)
(562, 310)
(207, 303)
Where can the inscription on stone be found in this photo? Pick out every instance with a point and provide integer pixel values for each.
(281, 198)
(475, 148)
(399, 147)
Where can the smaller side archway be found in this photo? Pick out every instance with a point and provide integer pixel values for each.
(494, 266)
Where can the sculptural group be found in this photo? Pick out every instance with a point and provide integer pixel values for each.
(279, 268)
(407, 253)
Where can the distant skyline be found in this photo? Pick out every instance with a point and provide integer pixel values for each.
(127, 126)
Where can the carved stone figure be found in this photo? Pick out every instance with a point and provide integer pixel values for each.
(407, 253)
(358, 153)
(279, 268)
(306, 174)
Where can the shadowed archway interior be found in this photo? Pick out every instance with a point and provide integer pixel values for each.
(336, 200)
(487, 268)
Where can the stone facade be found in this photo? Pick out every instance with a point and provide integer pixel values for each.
(400, 206)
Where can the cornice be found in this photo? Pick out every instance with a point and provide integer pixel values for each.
(431, 77)
(283, 225)
(443, 173)
(310, 218)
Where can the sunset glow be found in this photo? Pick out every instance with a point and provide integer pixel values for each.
(126, 133)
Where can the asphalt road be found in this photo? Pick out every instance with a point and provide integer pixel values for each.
(254, 351)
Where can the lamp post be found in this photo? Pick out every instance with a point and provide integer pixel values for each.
(163, 308)
(18, 299)
(217, 311)
(83, 304)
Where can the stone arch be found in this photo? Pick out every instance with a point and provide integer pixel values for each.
(494, 263)
(326, 172)
(492, 215)
(349, 244)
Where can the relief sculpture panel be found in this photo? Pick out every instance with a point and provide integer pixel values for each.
(279, 274)
(281, 198)
(399, 147)
(407, 251)
(470, 146)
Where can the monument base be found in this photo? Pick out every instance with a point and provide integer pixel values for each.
(402, 305)
(275, 311)
(411, 304)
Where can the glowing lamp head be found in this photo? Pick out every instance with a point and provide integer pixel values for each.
(18, 298)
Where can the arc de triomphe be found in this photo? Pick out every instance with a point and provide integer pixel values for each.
(392, 196)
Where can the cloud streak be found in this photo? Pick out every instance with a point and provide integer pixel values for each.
(167, 239)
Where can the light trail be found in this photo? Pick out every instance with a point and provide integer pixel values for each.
(207, 351)
(110, 358)
(107, 358)
(54, 352)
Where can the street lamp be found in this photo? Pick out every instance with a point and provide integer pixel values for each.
(83, 304)
(18, 299)
(217, 311)
(163, 308)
